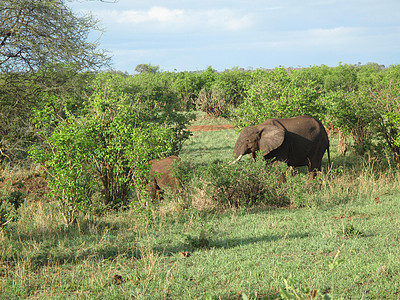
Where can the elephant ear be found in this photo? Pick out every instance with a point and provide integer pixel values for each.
(271, 138)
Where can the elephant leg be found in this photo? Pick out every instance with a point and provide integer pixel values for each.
(312, 174)
(153, 190)
(160, 194)
(313, 170)
(293, 171)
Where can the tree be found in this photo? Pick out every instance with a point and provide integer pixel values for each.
(147, 68)
(43, 48)
(38, 32)
(277, 94)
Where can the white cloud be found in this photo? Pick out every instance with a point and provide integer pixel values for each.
(223, 18)
(337, 33)
(186, 19)
(154, 14)
(191, 34)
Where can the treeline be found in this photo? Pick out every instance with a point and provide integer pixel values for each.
(358, 101)
(94, 133)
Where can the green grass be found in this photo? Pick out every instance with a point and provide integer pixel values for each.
(205, 146)
(343, 242)
(247, 252)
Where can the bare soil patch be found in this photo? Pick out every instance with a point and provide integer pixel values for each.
(210, 127)
(31, 184)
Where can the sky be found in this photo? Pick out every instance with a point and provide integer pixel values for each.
(187, 35)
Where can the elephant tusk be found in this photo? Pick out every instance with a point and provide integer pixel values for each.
(236, 160)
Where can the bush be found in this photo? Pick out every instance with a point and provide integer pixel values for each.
(186, 87)
(10, 201)
(385, 94)
(56, 87)
(244, 184)
(278, 94)
(106, 147)
(212, 102)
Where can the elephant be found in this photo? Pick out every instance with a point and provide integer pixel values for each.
(297, 141)
(161, 176)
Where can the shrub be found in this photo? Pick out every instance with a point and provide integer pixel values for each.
(187, 87)
(278, 94)
(106, 148)
(244, 184)
(57, 87)
(212, 102)
(10, 201)
(385, 94)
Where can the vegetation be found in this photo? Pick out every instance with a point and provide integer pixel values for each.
(75, 216)
(339, 239)
(43, 49)
(107, 143)
(35, 33)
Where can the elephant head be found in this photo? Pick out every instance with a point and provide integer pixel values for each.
(261, 137)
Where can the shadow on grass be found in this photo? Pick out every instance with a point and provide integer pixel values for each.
(209, 243)
(70, 245)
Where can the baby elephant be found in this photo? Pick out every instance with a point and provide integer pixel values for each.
(161, 176)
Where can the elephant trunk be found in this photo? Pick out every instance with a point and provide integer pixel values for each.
(240, 149)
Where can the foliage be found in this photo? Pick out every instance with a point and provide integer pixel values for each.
(356, 100)
(147, 68)
(186, 86)
(385, 93)
(35, 33)
(222, 92)
(155, 91)
(348, 104)
(212, 102)
(277, 94)
(10, 201)
(44, 48)
(113, 137)
(241, 185)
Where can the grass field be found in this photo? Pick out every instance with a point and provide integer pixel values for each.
(344, 242)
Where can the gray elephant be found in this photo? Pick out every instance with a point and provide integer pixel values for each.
(298, 141)
(161, 176)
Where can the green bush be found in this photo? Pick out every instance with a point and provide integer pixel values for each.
(106, 147)
(385, 94)
(222, 92)
(57, 87)
(10, 201)
(278, 94)
(245, 184)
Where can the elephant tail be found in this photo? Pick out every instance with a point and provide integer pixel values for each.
(329, 157)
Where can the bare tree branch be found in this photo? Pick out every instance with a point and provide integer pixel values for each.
(38, 32)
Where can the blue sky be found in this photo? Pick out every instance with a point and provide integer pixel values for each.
(186, 35)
